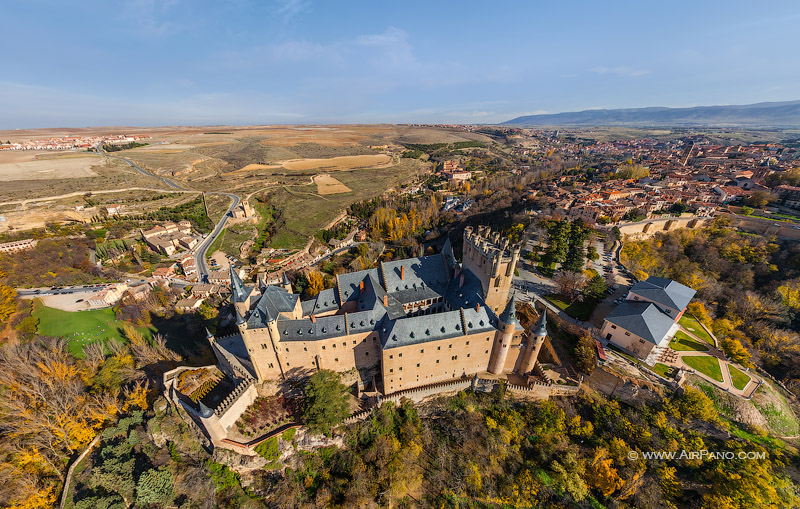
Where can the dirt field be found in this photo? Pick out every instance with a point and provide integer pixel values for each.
(254, 167)
(329, 185)
(47, 169)
(338, 163)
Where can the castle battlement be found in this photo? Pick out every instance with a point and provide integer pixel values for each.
(490, 243)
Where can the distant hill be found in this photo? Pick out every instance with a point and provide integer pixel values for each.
(774, 114)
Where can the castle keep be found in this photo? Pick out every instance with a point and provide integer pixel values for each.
(408, 322)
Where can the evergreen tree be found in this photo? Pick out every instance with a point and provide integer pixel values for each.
(326, 402)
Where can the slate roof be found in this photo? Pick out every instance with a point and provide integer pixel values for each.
(644, 319)
(664, 291)
(348, 283)
(423, 278)
(373, 296)
(509, 314)
(326, 300)
(305, 330)
(464, 296)
(540, 327)
(273, 301)
(422, 329)
(480, 320)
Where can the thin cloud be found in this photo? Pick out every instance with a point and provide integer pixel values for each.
(622, 70)
(289, 9)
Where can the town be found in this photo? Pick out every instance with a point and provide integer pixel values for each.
(520, 262)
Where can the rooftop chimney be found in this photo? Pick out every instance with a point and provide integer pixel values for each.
(461, 281)
(477, 308)
(386, 301)
(361, 286)
(402, 272)
(313, 319)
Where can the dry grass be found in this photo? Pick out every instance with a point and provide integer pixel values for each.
(329, 185)
(338, 163)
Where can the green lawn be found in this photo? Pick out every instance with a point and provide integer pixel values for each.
(705, 364)
(546, 271)
(661, 369)
(739, 378)
(80, 328)
(578, 310)
(683, 343)
(691, 324)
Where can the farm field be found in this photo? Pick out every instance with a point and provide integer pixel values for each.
(337, 163)
(53, 168)
(329, 185)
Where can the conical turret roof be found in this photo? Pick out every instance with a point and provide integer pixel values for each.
(237, 287)
(509, 315)
(540, 328)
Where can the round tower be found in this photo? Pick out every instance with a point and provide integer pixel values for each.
(535, 342)
(508, 321)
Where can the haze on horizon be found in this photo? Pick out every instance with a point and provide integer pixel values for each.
(176, 62)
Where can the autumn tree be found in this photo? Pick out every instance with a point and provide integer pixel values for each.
(585, 353)
(316, 283)
(569, 284)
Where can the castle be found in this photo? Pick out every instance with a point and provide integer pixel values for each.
(409, 322)
(404, 326)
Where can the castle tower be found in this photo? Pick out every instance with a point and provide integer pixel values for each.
(286, 284)
(493, 261)
(508, 321)
(237, 287)
(252, 348)
(535, 342)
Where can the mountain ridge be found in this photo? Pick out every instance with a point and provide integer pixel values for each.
(764, 114)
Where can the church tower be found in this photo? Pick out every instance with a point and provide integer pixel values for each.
(489, 256)
(508, 321)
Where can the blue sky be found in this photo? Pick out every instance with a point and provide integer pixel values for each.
(176, 62)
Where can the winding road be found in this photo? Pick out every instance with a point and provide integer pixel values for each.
(136, 167)
(200, 250)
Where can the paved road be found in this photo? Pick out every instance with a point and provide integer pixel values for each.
(136, 167)
(200, 250)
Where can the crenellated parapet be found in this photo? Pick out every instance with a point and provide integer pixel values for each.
(231, 398)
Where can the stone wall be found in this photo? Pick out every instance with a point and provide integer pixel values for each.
(233, 406)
